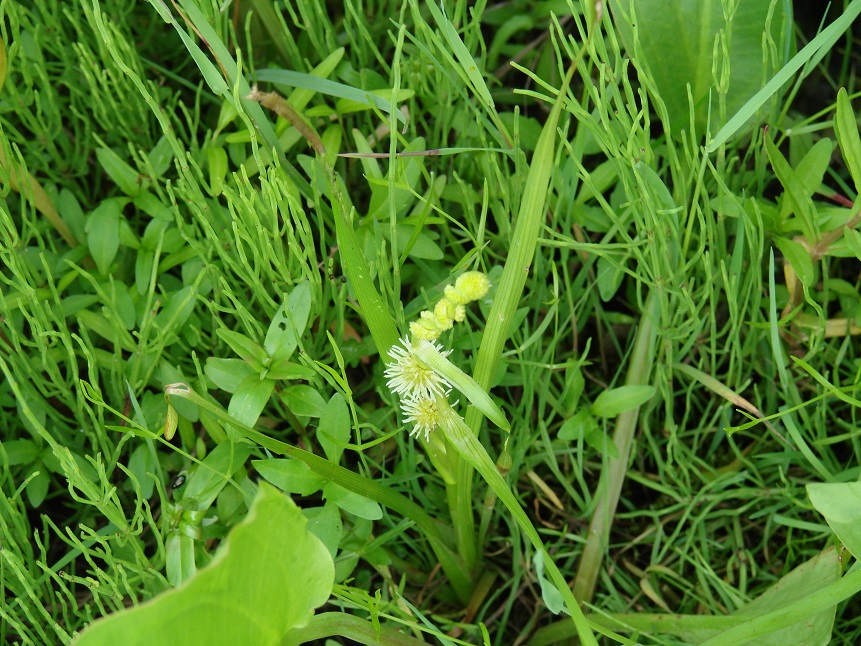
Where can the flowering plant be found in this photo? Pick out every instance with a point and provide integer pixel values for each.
(421, 375)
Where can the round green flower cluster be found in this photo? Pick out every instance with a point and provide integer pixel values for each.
(451, 308)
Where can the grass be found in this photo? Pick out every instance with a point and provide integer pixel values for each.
(200, 286)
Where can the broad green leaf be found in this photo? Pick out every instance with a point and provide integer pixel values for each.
(37, 486)
(597, 439)
(333, 431)
(176, 310)
(303, 400)
(288, 475)
(20, 451)
(104, 328)
(161, 156)
(608, 277)
(840, 503)
(250, 399)
(244, 347)
(103, 232)
(576, 426)
(798, 258)
(422, 247)
(289, 370)
(289, 323)
(583, 427)
(326, 524)
(352, 502)
(549, 593)
(611, 403)
(71, 305)
(123, 175)
(142, 462)
(227, 374)
(180, 563)
(143, 270)
(122, 301)
(211, 475)
(154, 234)
(811, 169)
(676, 39)
(798, 609)
(799, 201)
(795, 610)
(264, 581)
(853, 241)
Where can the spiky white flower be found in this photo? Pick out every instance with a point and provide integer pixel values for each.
(424, 414)
(411, 379)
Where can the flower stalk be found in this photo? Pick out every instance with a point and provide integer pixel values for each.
(423, 377)
(473, 452)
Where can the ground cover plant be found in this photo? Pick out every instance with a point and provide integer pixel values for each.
(414, 322)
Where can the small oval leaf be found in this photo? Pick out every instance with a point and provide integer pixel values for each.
(611, 403)
(249, 399)
(352, 502)
(291, 476)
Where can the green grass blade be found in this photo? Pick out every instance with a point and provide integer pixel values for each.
(524, 240)
(846, 129)
(755, 629)
(329, 88)
(376, 314)
(473, 452)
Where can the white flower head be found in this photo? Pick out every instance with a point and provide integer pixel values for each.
(423, 413)
(411, 379)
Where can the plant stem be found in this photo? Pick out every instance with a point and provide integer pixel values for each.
(475, 455)
(613, 475)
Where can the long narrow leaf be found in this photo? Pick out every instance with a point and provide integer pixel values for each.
(473, 452)
(846, 129)
(523, 243)
(330, 88)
